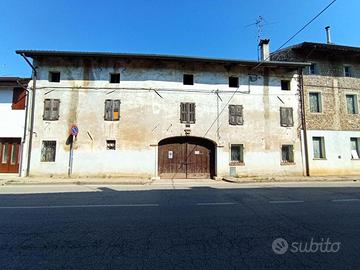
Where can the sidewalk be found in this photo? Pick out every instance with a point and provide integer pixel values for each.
(15, 180)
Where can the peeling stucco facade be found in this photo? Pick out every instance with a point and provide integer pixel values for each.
(146, 118)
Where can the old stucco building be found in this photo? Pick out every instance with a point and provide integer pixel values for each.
(331, 90)
(164, 116)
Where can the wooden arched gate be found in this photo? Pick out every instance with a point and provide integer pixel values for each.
(186, 157)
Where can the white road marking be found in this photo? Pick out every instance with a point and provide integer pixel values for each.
(345, 200)
(216, 203)
(286, 201)
(79, 206)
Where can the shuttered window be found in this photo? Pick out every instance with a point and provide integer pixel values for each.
(19, 99)
(112, 110)
(187, 112)
(51, 109)
(286, 117)
(236, 115)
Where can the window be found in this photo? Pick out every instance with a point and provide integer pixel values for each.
(19, 99)
(312, 69)
(110, 144)
(187, 112)
(236, 115)
(285, 85)
(287, 154)
(188, 79)
(114, 77)
(237, 153)
(355, 153)
(112, 110)
(315, 102)
(48, 151)
(234, 82)
(286, 117)
(4, 154)
(51, 109)
(347, 71)
(14, 154)
(319, 147)
(351, 104)
(54, 76)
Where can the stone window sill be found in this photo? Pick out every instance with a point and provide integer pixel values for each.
(235, 163)
(319, 159)
(287, 163)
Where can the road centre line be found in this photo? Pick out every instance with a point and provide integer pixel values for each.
(79, 206)
(279, 202)
(216, 203)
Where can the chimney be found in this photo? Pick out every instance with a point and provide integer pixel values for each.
(328, 35)
(264, 49)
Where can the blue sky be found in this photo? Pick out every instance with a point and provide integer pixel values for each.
(213, 28)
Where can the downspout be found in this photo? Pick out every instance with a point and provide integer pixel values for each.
(25, 128)
(32, 113)
(303, 121)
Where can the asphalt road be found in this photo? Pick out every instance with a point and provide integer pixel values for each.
(178, 227)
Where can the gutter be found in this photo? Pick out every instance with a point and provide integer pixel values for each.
(32, 112)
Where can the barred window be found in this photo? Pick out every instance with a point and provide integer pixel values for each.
(287, 153)
(51, 109)
(48, 151)
(237, 153)
(112, 110)
(236, 115)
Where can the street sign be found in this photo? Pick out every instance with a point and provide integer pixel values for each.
(74, 130)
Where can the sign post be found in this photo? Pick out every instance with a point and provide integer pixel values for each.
(74, 132)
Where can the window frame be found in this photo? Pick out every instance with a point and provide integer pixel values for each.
(355, 103)
(108, 142)
(283, 122)
(347, 74)
(322, 149)
(234, 82)
(42, 158)
(19, 99)
(312, 69)
(188, 79)
(291, 154)
(240, 161)
(319, 101)
(357, 144)
(187, 114)
(287, 83)
(113, 109)
(49, 115)
(237, 113)
(118, 77)
(51, 78)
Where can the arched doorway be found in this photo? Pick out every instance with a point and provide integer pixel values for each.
(186, 157)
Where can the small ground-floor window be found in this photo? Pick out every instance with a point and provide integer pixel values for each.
(110, 144)
(287, 153)
(48, 151)
(319, 147)
(355, 148)
(237, 153)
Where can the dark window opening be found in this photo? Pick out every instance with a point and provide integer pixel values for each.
(19, 99)
(237, 153)
(315, 102)
(312, 69)
(114, 77)
(347, 71)
(285, 85)
(355, 151)
(319, 147)
(188, 79)
(187, 113)
(54, 76)
(234, 82)
(48, 151)
(351, 104)
(287, 154)
(110, 144)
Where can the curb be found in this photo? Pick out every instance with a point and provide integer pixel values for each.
(274, 180)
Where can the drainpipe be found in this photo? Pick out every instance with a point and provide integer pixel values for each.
(25, 127)
(32, 113)
(303, 121)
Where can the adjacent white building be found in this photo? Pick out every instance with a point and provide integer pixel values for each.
(164, 116)
(12, 122)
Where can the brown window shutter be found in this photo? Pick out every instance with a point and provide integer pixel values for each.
(239, 114)
(19, 99)
(55, 106)
(283, 117)
(182, 112)
(108, 110)
(232, 118)
(290, 117)
(47, 109)
(116, 111)
(191, 113)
